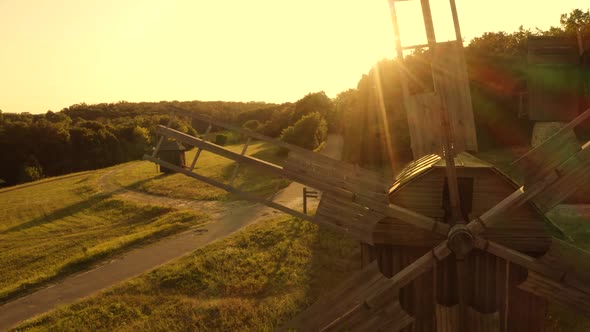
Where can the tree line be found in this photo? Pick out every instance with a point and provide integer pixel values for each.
(496, 65)
(84, 137)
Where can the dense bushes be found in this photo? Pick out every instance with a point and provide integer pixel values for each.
(309, 132)
(220, 139)
(83, 137)
(251, 125)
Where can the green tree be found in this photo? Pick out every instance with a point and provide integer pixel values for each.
(312, 102)
(251, 125)
(32, 170)
(309, 132)
(576, 20)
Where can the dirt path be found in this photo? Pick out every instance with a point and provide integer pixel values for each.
(144, 259)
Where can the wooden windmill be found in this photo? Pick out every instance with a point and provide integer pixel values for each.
(451, 245)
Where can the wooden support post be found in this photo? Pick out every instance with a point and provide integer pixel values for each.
(396, 34)
(452, 182)
(306, 194)
(305, 200)
(403, 75)
(200, 149)
(507, 295)
(237, 167)
(391, 210)
(230, 189)
(428, 24)
(456, 21)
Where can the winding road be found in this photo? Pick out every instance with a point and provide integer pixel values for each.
(228, 217)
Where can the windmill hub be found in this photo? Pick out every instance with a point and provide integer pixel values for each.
(460, 240)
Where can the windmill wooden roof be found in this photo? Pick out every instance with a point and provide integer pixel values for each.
(420, 187)
(426, 163)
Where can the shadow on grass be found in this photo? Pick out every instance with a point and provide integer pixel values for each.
(253, 180)
(72, 209)
(83, 263)
(137, 186)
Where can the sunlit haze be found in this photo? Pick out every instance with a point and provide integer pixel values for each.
(61, 52)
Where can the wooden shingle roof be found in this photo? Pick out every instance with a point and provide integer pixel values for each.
(421, 166)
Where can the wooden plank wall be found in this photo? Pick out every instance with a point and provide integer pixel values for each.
(452, 85)
(524, 228)
(492, 291)
(452, 93)
(423, 111)
(423, 195)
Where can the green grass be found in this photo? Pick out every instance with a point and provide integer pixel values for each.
(143, 176)
(59, 226)
(254, 280)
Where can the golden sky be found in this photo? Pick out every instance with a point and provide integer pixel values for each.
(54, 53)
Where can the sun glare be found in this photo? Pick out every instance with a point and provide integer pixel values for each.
(68, 51)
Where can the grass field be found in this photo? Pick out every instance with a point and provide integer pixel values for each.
(53, 227)
(143, 176)
(58, 226)
(254, 280)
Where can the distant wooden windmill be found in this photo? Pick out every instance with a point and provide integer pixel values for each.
(451, 245)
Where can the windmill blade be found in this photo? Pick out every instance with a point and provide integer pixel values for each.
(230, 189)
(345, 188)
(344, 307)
(348, 217)
(542, 160)
(561, 163)
(561, 275)
(573, 174)
(554, 170)
(368, 300)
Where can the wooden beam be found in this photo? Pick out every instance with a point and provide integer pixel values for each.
(564, 131)
(342, 308)
(230, 189)
(396, 34)
(408, 274)
(532, 264)
(200, 149)
(290, 147)
(451, 171)
(404, 215)
(237, 167)
(489, 218)
(428, 24)
(197, 142)
(557, 292)
(387, 209)
(413, 47)
(161, 140)
(456, 21)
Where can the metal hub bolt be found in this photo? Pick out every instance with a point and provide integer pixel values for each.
(460, 240)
